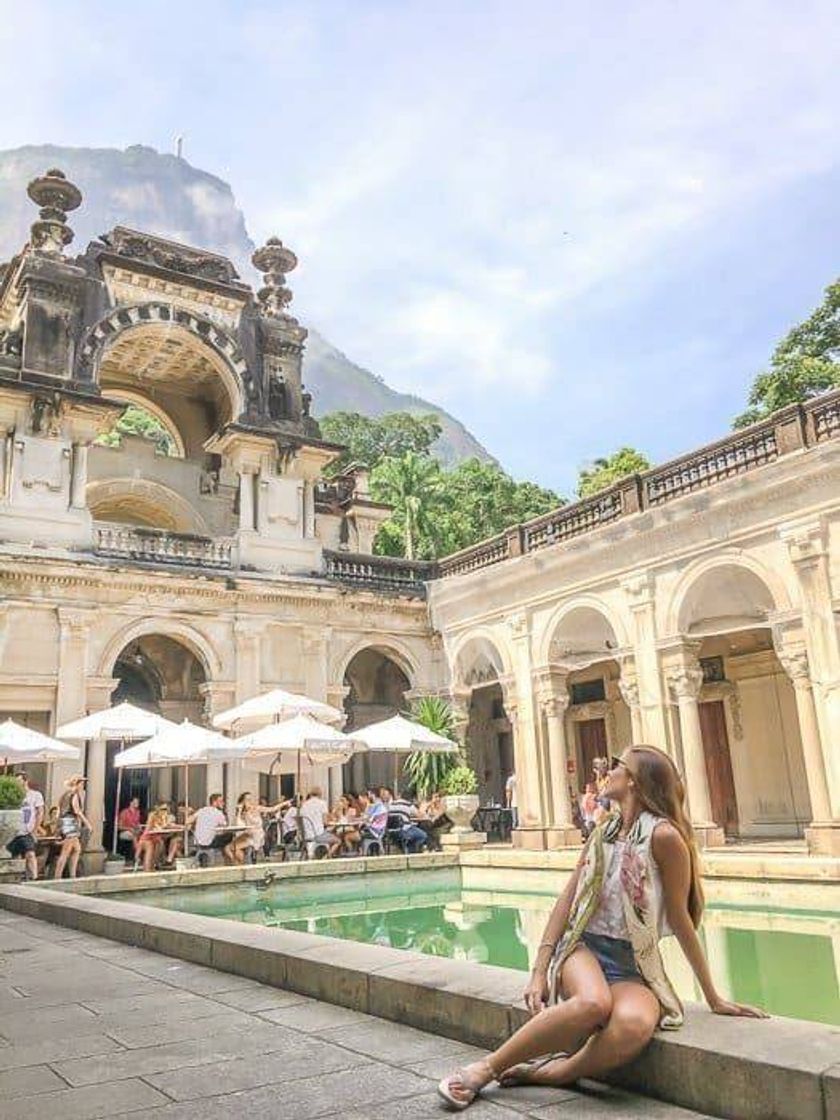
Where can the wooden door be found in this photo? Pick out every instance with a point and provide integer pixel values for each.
(592, 744)
(719, 766)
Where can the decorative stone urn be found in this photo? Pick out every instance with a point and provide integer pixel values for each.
(11, 822)
(461, 809)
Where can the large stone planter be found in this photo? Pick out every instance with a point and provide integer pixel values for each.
(11, 822)
(461, 811)
(114, 866)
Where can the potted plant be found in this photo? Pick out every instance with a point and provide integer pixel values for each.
(12, 794)
(424, 770)
(460, 797)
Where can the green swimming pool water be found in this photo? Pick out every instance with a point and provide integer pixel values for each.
(784, 960)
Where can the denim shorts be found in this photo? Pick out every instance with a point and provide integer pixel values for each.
(614, 956)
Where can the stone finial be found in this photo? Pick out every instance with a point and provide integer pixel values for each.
(274, 261)
(55, 195)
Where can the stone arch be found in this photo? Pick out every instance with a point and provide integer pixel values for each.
(765, 587)
(222, 350)
(483, 651)
(587, 608)
(129, 396)
(181, 632)
(144, 503)
(392, 648)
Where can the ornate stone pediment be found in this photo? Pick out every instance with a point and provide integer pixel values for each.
(170, 255)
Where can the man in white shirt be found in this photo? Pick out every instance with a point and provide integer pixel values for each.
(210, 827)
(24, 845)
(314, 812)
(510, 799)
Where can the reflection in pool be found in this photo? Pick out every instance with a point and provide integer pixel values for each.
(788, 961)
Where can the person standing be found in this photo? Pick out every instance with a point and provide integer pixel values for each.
(24, 845)
(71, 823)
(510, 798)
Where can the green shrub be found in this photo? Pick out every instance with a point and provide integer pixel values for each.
(423, 770)
(12, 792)
(460, 781)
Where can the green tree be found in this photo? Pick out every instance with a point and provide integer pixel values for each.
(369, 440)
(604, 472)
(479, 500)
(411, 485)
(424, 770)
(136, 421)
(804, 364)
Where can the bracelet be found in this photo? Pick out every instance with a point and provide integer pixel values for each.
(552, 945)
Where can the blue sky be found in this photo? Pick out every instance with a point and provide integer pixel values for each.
(576, 226)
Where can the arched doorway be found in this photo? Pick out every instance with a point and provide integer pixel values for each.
(160, 674)
(376, 690)
(583, 650)
(489, 734)
(754, 761)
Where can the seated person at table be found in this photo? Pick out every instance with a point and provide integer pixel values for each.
(150, 844)
(251, 814)
(176, 842)
(412, 837)
(346, 814)
(210, 827)
(128, 824)
(289, 822)
(315, 813)
(374, 818)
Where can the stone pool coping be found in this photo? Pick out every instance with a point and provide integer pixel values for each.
(739, 1069)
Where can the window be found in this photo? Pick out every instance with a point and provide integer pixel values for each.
(713, 669)
(589, 692)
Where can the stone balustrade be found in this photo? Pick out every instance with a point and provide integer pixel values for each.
(157, 546)
(787, 431)
(384, 574)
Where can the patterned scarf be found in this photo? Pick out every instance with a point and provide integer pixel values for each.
(640, 910)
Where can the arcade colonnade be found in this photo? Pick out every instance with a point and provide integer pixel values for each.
(727, 658)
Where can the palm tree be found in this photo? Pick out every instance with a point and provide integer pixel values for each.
(424, 770)
(411, 485)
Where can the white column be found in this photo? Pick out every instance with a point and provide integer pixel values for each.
(71, 685)
(554, 700)
(520, 704)
(685, 681)
(78, 482)
(246, 499)
(95, 793)
(823, 835)
(652, 716)
(806, 542)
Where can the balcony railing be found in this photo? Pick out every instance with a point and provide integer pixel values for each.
(157, 546)
(787, 431)
(383, 574)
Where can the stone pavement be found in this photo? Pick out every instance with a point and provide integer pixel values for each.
(94, 1028)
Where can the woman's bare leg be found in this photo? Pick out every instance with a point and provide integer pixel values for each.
(634, 1018)
(587, 1007)
(75, 853)
(62, 860)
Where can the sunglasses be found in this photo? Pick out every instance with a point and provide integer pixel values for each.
(616, 762)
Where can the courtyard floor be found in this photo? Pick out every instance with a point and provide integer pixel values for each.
(94, 1028)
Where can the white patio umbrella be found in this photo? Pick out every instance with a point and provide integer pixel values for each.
(401, 736)
(275, 707)
(301, 736)
(20, 744)
(124, 721)
(178, 744)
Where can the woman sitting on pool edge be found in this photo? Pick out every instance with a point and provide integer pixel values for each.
(598, 989)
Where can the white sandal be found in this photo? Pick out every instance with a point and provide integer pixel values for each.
(458, 1104)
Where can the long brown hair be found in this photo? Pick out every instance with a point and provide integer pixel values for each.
(660, 790)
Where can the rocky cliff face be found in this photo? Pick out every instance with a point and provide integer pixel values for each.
(161, 194)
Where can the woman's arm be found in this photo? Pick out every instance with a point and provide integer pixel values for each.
(77, 806)
(672, 858)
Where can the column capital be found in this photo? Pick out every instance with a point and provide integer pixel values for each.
(805, 540)
(554, 706)
(628, 686)
(519, 625)
(75, 621)
(794, 661)
(639, 588)
(684, 681)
